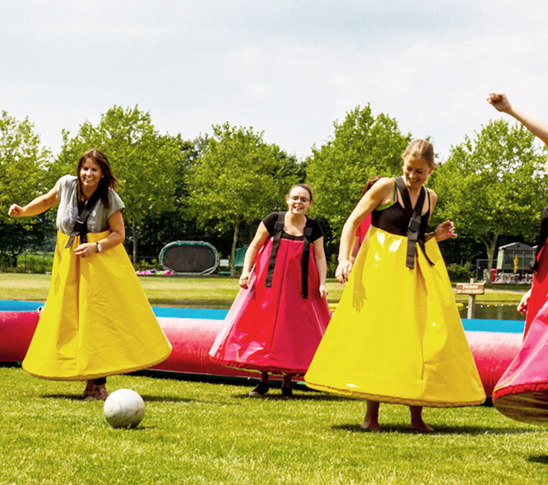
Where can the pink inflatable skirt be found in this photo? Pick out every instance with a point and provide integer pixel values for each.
(522, 391)
(274, 329)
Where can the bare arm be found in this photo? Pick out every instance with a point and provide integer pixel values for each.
(261, 236)
(37, 206)
(380, 193)
(116, 236)
(355, 249)
(535, 125)
(321, 264)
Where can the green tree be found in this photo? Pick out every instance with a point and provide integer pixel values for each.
(23, 164)
(239, 179)
(362, 146)
(493, 186)
(145, 161)
(178, 221)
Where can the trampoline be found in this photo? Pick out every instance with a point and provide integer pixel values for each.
(190, 258)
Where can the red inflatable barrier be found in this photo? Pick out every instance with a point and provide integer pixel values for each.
(493, 352)
(16, 331)
(192, 338)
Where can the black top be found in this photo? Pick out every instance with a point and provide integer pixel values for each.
(270, 221)
(395, 220)
(406, 221)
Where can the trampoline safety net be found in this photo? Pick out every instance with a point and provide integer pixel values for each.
(189, 257)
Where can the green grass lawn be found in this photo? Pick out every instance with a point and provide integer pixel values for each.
(203, 292)
(199, 432)
(203, 432)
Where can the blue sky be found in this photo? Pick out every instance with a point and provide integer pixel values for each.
(288, 68)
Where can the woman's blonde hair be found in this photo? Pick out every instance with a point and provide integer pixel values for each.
(420, 149)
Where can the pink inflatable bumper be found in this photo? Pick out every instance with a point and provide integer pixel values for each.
(192, 338)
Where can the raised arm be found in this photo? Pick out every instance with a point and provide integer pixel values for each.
(37, 206)
(535, 125)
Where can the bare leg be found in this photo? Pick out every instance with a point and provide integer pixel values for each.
(264, 377)
(371, 420)
(287, 381)
(416, 419)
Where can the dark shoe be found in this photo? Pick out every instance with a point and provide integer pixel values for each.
(99, 393)
(287, 392)
(90, 387)
(261, 389)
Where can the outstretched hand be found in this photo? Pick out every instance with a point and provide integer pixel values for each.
(499, 101)
(244, 280)
(15, 211)
(524, 303)
(323, 291)
(446, 230)
(343, 271)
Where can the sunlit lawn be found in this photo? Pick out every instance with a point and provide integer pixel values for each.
(204, 432)
(206, 292)
(199, 432)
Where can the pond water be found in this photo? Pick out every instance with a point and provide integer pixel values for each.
(172, 312)
(493, 312)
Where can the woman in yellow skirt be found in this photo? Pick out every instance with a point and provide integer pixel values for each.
(97, 320)
(396, 335)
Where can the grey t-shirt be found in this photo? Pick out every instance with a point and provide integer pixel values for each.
(67, 213)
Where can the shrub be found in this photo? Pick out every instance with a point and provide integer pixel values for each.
(144, 265)
(460, 273)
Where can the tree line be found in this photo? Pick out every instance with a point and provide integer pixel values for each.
(217, 187)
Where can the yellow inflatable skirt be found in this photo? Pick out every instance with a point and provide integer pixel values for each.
(396, 335)
(97, 320)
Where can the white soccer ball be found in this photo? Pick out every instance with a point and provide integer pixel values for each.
(124, 408)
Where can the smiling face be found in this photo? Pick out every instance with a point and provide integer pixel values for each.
(415, 171)
(90, 175)
(298, 201)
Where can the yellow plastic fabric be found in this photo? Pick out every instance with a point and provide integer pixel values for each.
(396, 335)
(97, 320)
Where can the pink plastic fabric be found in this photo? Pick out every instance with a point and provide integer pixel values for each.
(522, 391)
(275, 329)
(363, 228)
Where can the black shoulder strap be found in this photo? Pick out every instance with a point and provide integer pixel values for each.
(80, 225)
(307, 236)
(402, 189)
(415, 221)
(278, 228)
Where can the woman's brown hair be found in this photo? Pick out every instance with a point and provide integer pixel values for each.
(108, 180)
(302, 186)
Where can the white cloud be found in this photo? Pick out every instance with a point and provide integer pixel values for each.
(288, 68)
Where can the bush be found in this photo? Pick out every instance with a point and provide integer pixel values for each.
(144, 265)
(332, 266)
(461, 273)
(27, 263)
